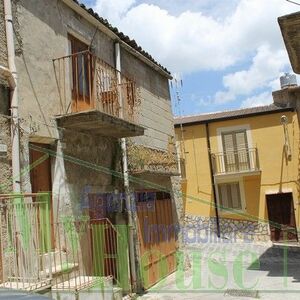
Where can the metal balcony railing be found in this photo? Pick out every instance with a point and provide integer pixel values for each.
(236, 161)
(85, 82)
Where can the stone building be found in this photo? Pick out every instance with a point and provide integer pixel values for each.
(97, 153)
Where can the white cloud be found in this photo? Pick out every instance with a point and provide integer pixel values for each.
(193, 41)
(266, 67)
(193, 38)
(258, 100)
(114, 10)
(216, 8)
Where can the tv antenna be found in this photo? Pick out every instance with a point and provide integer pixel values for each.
(177, 84)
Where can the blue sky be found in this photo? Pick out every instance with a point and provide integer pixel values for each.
(229, 54)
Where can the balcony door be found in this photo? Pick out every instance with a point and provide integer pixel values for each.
(82, 75)
(235, 148)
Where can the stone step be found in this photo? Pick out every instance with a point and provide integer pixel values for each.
(61, 268)
(86, 288)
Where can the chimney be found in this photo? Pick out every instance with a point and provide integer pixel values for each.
(288, 80)
(289, 93)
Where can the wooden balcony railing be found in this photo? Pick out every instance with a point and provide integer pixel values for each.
(237, 161)
(85, 82)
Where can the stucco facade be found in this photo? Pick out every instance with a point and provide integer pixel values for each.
(276, 174)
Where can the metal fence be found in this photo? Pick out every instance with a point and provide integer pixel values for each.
(241, 160)
(25, 238)
(73, 254)
(86, 82)
(90, 251)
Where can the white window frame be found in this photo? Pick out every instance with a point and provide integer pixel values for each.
(242, 194)
(222, 130)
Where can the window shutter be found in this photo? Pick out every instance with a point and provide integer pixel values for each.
(241, 140)
(242, 146)
(228, 142)
(228, 148)
(235, 148)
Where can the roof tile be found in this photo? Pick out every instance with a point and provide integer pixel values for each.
(231, 114)
(122, 36)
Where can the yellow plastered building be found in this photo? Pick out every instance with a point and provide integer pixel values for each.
(240, 173)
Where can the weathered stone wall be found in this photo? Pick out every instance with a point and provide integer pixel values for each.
(3, 48)
(5, 124)
(155, 112)
(199, 229)
(44, 29)
(5, 158)
(178, 212)
(84, 164)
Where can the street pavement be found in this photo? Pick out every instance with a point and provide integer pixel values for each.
(223, 270)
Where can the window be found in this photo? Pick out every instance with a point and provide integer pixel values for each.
(82, 70)
(235, 148)
(230, 195)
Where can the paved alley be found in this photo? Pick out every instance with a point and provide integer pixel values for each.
(234, 271)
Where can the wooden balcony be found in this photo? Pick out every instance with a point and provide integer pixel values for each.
(95, 97)
(242, 161)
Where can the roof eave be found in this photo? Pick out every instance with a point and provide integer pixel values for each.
(287, 26)
(85, 14)
(226, 118)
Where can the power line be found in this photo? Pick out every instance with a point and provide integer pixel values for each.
(291, 1)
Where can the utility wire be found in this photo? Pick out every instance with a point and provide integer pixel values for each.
(293, 2)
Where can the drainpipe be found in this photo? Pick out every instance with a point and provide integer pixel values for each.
(125, 175)
(213, 183)
(15, 139)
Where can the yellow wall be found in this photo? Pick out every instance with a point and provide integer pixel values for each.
(276, 175)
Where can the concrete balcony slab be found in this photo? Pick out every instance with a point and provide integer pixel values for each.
(97, 122)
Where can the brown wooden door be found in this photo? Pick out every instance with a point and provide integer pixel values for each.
(82, 70)
(156, 232)
(40, 173)
(282, 217)
(40, 177)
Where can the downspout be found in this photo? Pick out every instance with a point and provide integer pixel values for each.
(15, 139)
(126, 176)
(213, 183)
